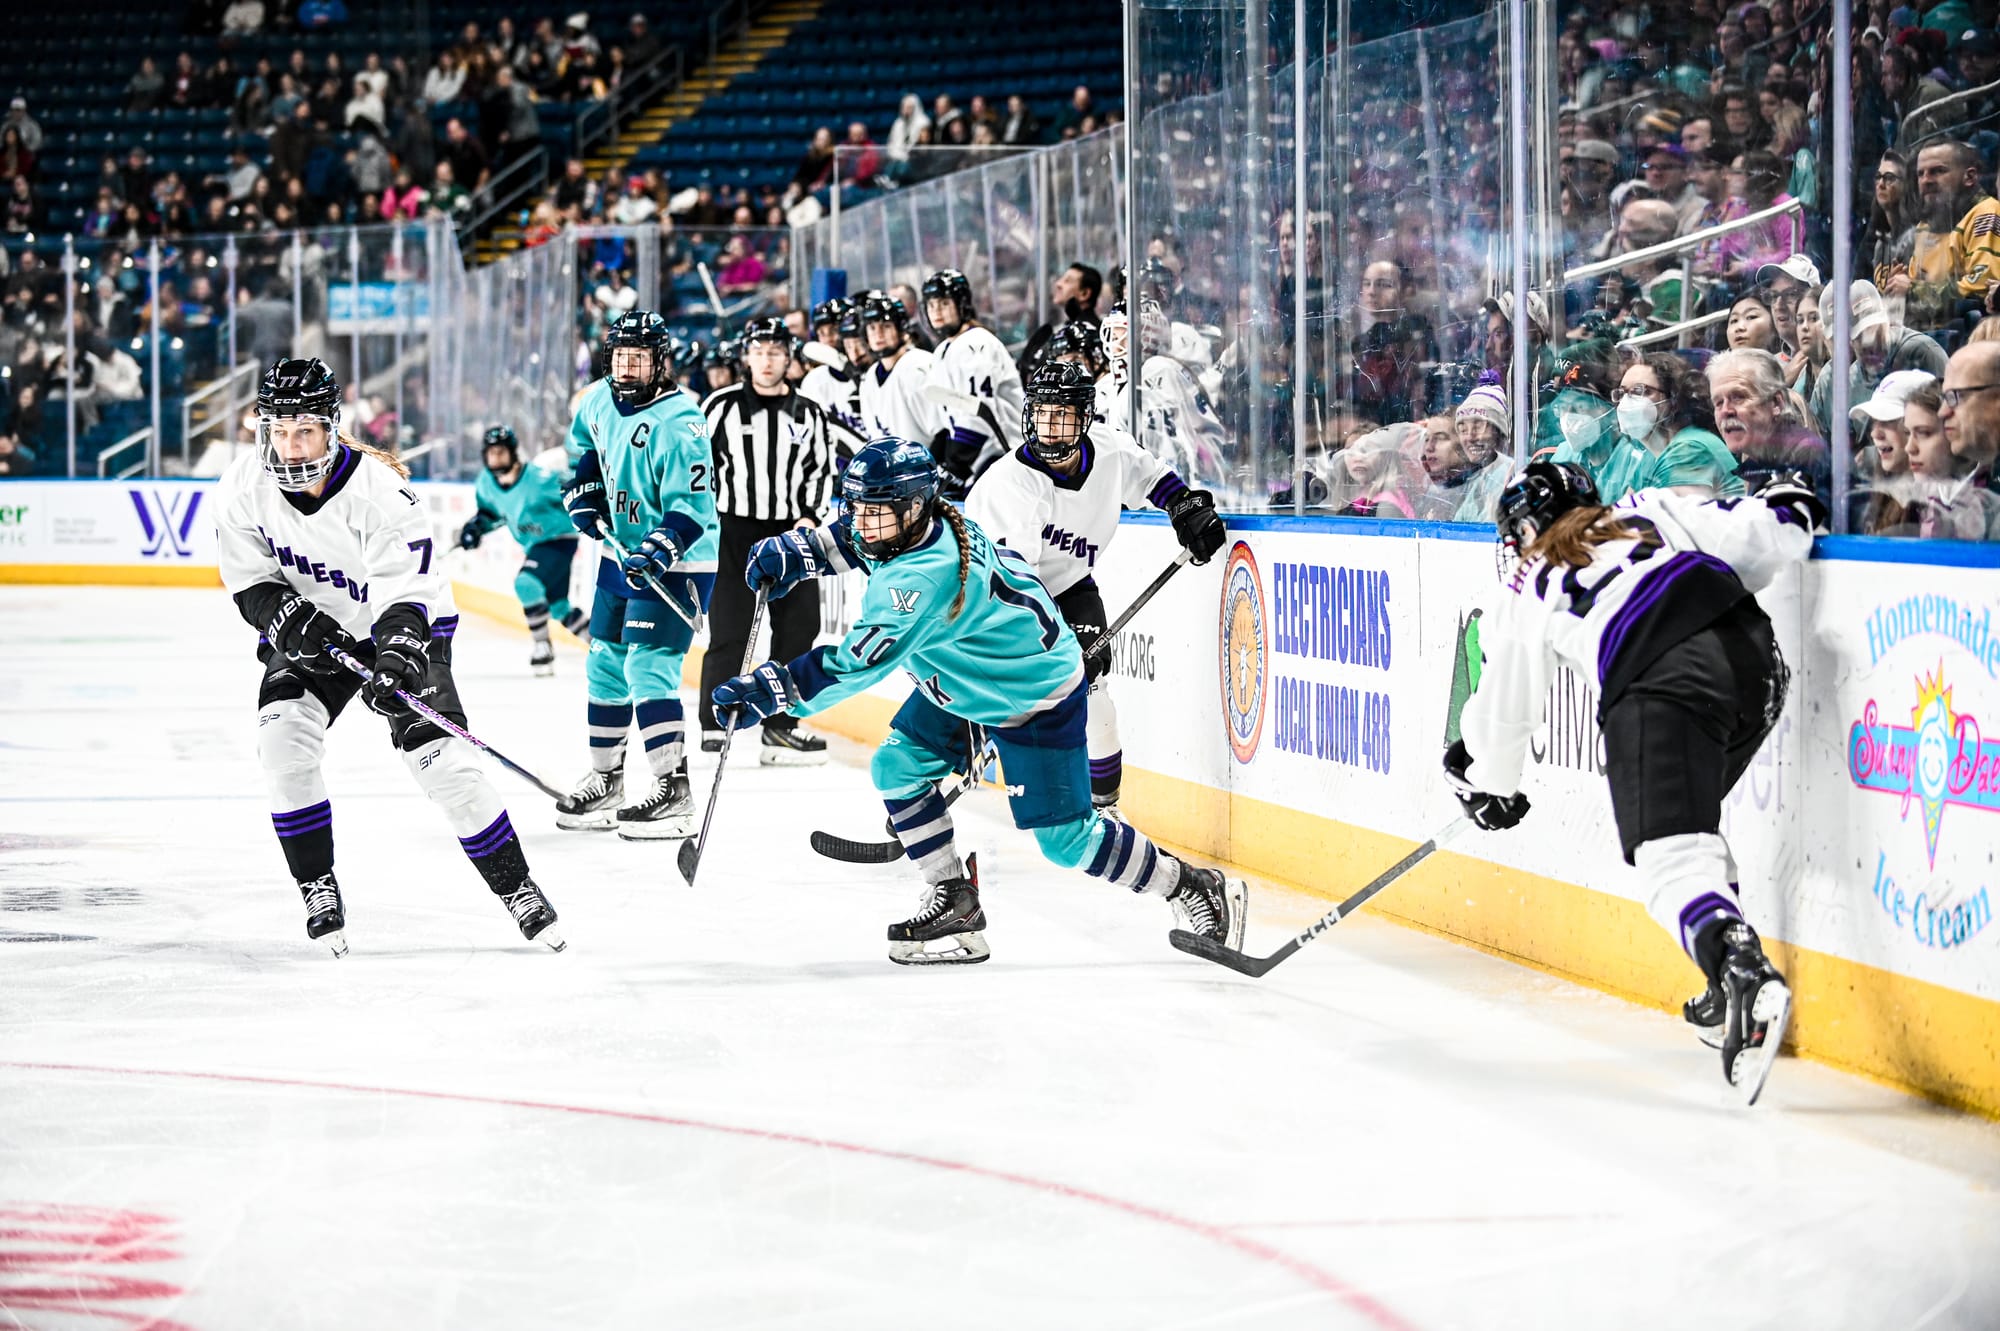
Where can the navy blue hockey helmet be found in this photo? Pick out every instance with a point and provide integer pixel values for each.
(952, 285)
(501, 436)
(899, 473)
(644, 331)
(1079, 338)
(1533, 501)
(830, 312)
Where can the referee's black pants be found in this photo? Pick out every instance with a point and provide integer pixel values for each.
(794, 620)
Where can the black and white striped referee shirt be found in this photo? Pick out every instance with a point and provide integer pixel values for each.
(773, 456)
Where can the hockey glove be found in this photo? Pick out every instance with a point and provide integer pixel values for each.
(780, 563)
(656, 556)
(1493, 812)
(589, 510)
(1197, 525)
(402, 659)
(302, 632)
(1096, 666)
(1790, 496)
(749, 699)
(472, 533)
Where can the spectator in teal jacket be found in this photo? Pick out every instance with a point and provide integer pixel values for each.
(1664, 436)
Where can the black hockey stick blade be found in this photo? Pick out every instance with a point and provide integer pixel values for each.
(1195, 945)
(856, 852)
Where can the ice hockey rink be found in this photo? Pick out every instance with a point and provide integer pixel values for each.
(723, 1107)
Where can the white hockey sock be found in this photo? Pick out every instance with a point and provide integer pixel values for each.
(1107, 758)
(1688, 882)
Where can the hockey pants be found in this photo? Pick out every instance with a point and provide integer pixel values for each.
(637, 649)
(1047, 774)
(542, 587)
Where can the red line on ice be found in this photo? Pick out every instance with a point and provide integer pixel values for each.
(1324, 1281)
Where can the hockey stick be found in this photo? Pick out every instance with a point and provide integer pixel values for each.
(446, 724)
(885, 852)
(689, 858)
(673, 602)
(1244, 964)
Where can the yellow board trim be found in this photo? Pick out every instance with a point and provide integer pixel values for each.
(113, 575)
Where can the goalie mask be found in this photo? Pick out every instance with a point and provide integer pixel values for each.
(1116, 335)
(298, 422)
(1061, 395)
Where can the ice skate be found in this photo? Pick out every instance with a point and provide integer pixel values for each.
(542, 657)
(666, 814)
(1759, 1008)
(326, 918)
(1209, 904)
(532, 911)
(946, 931)
(593, 805)
(788, 746)
(1704, 1012)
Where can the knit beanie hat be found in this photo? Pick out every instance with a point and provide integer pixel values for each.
(1489, 403)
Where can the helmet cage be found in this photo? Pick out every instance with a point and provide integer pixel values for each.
(294, 477)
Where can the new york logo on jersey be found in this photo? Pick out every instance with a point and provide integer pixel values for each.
(167, 519)
(905, 599)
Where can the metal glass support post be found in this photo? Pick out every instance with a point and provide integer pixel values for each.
(1341, 108)
(298, 295)
(1517, 178)
(354, 288)
(992, 250)
(402, 314)
(153, 449)
(1301, 371)
(836, 208)
(950, 229)
(229, 262)
(1038, 182)
(69, 349)
(1129, 241)
(1433, 163)
(1843, 251)
(1256, 230)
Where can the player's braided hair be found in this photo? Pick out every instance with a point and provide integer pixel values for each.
(957, 521)
(383, 456)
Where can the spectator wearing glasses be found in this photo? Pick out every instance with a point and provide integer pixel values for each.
(1890, 218)
(1664, 436)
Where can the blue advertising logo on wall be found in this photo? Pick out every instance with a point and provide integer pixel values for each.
(1244, 660)
(166, 517)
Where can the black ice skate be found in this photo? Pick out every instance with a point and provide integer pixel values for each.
(1704, 1012)
(667, 814)
(326, 919)
(788, 746)
(1759, 1006)
(951, 920)
(532, 911)
(542, 657)
(1209, 904)
(593, 805)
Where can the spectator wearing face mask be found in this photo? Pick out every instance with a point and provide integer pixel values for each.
(1881, 346)
(1663, 435)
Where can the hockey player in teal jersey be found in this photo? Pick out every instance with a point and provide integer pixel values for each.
(528, 502)
(643, 478)
(973, 625)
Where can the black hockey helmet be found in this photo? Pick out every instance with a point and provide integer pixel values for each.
(952, 285)
(723, 355)
(1118, 285)
(831, 311)
(295, 389)
(1533, 501)
(896, 472)
(1156, 281)
(645, 331)
(1077, 338)
(771, 329)
(879, 307)
(501, 436)
(1059, 383)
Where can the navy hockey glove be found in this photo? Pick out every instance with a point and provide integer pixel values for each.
(749, 699)
(1789, 495)
(472, 533)
(1197, 525)
(780, 563)
(656, 555)
(589, 510)
(1493, 812)
(302, 632)
(402, 659)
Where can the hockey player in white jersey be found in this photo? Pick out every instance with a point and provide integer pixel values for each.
(1177, 423)
(1653, 600)
(323, 545)
(1056, 501)
(835, 388)
(973, 362)
(893, 405)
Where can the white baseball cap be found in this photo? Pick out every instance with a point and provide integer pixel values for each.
(1799, 268)
(1893, 394)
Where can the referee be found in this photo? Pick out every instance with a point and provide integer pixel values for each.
(773, 470)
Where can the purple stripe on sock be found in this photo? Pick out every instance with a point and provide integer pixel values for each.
(481, 844)
(303, 829)
(1699, 912)
(1107, 766)
(317, 815)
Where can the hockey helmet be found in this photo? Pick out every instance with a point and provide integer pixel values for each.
(1116, 334)
(1058, 384)
(1156, 281)
(896, 473)
(297, 392)
(501, 436)
(1080, 339)
(1533, 501)
(770, 329)
(832, 311)
(646, 331)
(879, 307)
(952, 285)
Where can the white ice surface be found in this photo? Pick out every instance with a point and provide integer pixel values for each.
(724, 1108)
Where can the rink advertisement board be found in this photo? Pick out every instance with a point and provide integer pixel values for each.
(138, 525)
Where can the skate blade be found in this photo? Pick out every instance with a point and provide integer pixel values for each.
(663, 829)
(551, 938)
(545, 671)
(337, 940)
(790, 758)
(955, 950)
(587, 822)
(1709, 1035)
(1237, 893)
(1772, 1008)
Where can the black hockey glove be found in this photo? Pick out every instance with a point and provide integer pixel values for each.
(402, 658)
(1493, 812)
(302, 632)
(1790, 495)
(1095, 667)
(472, 533)
(1196, 524)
